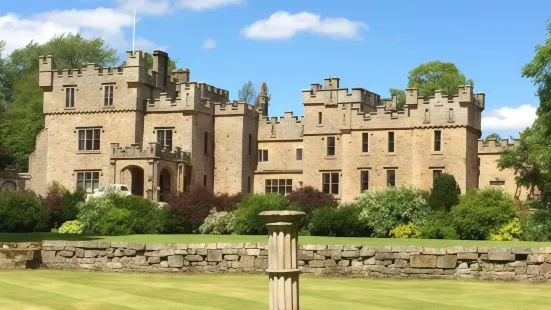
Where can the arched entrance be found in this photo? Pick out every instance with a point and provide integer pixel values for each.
(133, 176)
(165, 183)
(8, 186)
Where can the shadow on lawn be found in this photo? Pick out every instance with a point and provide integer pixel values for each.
(37, 237)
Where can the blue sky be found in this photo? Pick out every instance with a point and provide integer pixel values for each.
(291, 44)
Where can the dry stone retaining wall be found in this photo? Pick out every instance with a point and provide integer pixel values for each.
(507, 264)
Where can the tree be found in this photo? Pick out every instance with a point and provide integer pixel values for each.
(247, 92)
(400, 97)
(23, 118)
(7, 75)
(492, 136)
(445, 193)
(437, 75)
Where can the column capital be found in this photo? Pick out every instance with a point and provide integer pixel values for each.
(283, 218)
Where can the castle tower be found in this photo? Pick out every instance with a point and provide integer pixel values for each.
(263, 99)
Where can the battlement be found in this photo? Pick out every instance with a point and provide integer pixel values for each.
(207, 89)
(236, 108)
(464, 95)
(286, 127)
(492, 146)
(136, 151)
(287, 116)
(332, 94)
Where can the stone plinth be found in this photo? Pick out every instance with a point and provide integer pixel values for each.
(283, 270)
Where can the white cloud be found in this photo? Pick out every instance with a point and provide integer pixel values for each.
(209, 44)
(506, 118)
(147, 7)
(283, 25)
(201, 5)
(146, 45)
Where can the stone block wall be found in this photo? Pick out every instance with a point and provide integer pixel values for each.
(481, 263)
(24, 255)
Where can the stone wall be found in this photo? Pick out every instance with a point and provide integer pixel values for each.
(508, 264)
(24, 255)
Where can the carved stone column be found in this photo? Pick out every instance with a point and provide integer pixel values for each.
(283, 269)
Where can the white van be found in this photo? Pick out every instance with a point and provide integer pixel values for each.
(114, 187)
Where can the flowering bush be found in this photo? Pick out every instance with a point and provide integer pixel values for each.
(71, 227)
(508, 232)
(406, 231)
(383, 210)
(218, 223)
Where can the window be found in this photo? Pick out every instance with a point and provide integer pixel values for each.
(365, 142)
(262, 155)
(391, 177)
(330, 182)
(320, 117)
(279, 186)
(248, 184)
(364, 180)
(437, 140)
(108, 98)
(330, 146)
(250, 144)
(206, 144)
(70, 97)
(164, 138)
(205, 180)
(435, 173)
(391, 142)
(497, 183)
(88, 139)
(89, 180)
(299, 154)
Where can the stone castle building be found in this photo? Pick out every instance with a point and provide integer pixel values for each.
(160, 132)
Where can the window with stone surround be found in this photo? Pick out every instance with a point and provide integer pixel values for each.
(330, 182)
(437, 140)
(262, 155)
(108, 91)
(391, 142)
(365, 142)
(69, 97)
(164, 137)
(299, 154)
(89, 139)
(435, 173)
(279, 186)
(89, 180)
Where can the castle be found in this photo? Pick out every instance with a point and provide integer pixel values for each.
(159, 132)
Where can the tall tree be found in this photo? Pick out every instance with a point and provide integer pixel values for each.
(23, 118)
(400, 97)
(531, 160)
(247, 93)
(492, 136)
(7, 75)
(437, 75)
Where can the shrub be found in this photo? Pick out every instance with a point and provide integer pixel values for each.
(62, 204)
(342, 221)
(71, 227)
(508, 232)
(438, 226)
(405, 231)
(116, 214)
(383, 210)
(22, 211)
(445, 193)
(309, 199)
(218, 223)
(480, 212)
(247, 219)
(537, 227)
(192, 208)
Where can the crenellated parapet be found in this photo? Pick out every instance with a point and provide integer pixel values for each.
(495, 147)
(333, 95)
(286, 127)
(155, 151)
(236, 108)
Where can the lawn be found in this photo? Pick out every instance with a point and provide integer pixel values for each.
(52, 289)
(6, 237)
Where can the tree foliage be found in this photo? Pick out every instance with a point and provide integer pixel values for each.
(494, 135)
(247, 93)
(437, 75)
(445, 193)
(149, 63)
(400, 97)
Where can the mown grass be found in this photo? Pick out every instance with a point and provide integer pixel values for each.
(52, 289)
(6, 237)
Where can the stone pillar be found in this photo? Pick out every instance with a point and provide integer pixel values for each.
(283, 269)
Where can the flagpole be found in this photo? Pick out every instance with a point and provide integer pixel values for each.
(134, 33)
